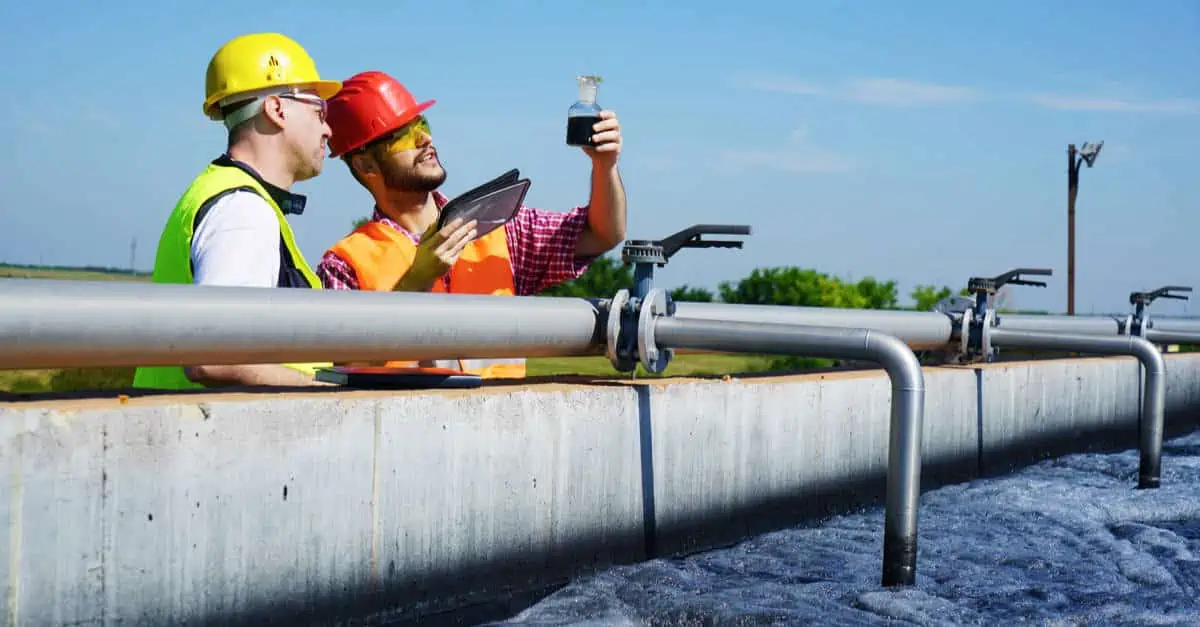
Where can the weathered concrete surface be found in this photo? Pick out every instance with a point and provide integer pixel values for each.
(733, 460)
(240, 508)
(1077, 405)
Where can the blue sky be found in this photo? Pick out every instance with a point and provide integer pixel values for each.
(916, 141)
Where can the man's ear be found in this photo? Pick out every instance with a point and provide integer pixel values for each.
(364, 170)
(364, 165)
(273, 110)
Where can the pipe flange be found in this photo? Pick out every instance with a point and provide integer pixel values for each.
(986, 352)
(616, 312)
(967, 336)
(964, 333)
(657, 304)
(1136, 326)
(1126, 325)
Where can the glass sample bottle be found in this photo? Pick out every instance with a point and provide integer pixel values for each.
(584, 113)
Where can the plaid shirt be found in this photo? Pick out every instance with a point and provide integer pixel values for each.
(541, 247)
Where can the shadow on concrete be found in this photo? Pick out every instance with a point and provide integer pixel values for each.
(1121, 437)
(507, 584)
(500, 587)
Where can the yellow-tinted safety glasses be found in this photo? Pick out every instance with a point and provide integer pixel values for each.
(406, 137)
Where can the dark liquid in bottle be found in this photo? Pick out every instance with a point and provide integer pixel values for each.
(579, 130)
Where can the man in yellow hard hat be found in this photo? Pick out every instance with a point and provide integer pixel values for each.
(230, 227)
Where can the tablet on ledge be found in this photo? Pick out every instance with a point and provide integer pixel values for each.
(382, 377)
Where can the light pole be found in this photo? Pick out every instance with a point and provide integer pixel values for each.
(1087, 154)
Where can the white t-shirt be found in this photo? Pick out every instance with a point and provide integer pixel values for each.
(237, 243)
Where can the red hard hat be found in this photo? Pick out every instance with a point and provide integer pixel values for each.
(369, 106)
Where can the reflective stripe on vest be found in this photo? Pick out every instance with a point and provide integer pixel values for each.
(380, 255)
(173, 260)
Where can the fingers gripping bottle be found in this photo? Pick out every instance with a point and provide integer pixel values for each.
(584, 113)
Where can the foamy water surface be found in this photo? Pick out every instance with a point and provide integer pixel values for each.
(1069, 541)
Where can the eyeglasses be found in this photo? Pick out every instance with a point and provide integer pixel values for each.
(311, 99)
(254, 105)
(407, 136)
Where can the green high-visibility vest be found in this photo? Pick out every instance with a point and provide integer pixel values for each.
(173, 260)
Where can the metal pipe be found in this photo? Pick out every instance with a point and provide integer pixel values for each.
(1171, 337)
(908, 405)
(1186, 329)
(1072, 192)
(1175, 325)
(920, 330)
(56, 324)
(1078, 325)
(1154, 386)
(643, 279)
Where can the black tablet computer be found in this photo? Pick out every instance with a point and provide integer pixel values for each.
(491, 205)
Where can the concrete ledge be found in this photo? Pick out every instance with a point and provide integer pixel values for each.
(254, 509)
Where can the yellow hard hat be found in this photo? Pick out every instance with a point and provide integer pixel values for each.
(259, 61)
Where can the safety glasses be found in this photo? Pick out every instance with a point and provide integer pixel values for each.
(407, 136)
(311, 99)
(254, 105)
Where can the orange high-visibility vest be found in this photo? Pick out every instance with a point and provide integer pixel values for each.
(380, 255)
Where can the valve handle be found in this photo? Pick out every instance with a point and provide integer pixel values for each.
(1012, 277)
(691, 237)
(1146, 298)
(659, 251)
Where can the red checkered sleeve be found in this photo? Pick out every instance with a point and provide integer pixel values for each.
(336, 274)
(541, 247)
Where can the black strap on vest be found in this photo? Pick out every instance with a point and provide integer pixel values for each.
(289, 273)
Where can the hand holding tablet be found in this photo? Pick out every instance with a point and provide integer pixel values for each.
(490, 205)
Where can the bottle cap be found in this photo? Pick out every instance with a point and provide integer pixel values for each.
(588, 86)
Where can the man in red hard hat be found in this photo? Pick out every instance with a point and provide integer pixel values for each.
(381, 132)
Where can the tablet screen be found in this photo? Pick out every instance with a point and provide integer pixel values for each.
(490, 211)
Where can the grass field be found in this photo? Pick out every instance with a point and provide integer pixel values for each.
(15, 272)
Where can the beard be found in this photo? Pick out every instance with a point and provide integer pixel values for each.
(414, 180)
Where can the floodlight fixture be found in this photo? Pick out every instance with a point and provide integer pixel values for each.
(1090, 151)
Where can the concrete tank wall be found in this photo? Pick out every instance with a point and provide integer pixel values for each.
(239, 508)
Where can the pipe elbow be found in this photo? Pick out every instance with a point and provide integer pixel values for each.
(897, 359)
(1148, 354)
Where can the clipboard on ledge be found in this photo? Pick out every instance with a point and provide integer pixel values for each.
(491, 205)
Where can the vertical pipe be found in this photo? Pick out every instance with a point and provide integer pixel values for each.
(643, 276)
(907, 411)
(1072, 190)
(904, 457)
(1154, 396)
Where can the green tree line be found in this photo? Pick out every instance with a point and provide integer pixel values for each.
(789, 285)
